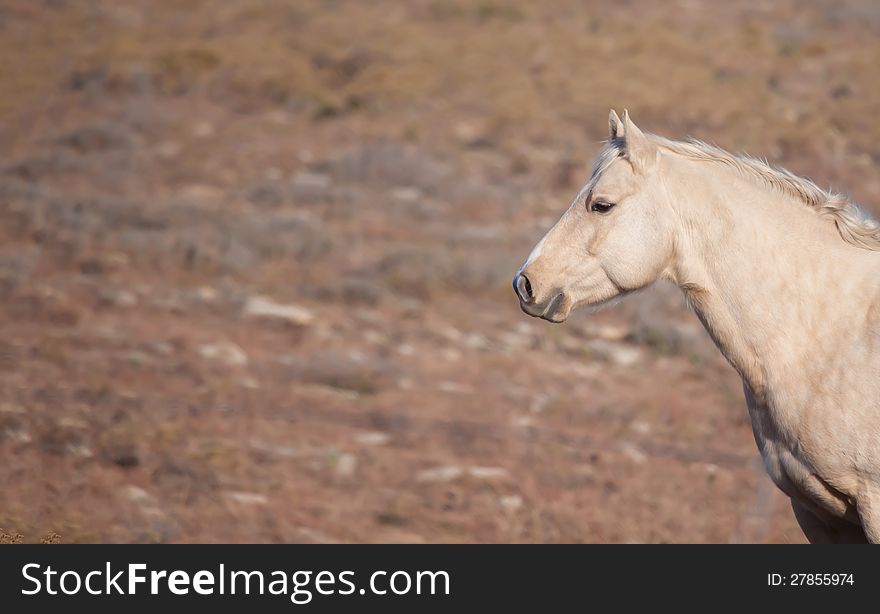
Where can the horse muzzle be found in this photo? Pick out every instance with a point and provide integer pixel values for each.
(553, 309)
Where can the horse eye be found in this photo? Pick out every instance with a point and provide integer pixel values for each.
(601, 206)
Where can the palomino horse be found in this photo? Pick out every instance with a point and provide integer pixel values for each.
(784, 276)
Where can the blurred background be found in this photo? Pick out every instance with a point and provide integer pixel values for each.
(256, 258)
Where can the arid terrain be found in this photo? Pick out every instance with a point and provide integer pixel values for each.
(255, 263)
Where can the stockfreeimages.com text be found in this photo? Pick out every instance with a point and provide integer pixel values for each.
(301, 586)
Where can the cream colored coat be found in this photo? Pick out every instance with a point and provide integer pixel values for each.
(785, 278)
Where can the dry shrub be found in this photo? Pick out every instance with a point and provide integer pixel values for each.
(342, 372)
(426, 272)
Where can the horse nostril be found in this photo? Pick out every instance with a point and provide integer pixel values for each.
(524, 289)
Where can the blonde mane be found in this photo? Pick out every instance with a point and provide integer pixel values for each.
(855, 225)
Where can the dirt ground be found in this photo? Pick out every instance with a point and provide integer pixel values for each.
(255, 263)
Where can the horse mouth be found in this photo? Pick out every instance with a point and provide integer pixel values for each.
(553, 310)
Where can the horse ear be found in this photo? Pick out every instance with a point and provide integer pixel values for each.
(641, 151)
(615, 127)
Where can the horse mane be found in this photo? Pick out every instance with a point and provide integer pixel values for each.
(855, 225)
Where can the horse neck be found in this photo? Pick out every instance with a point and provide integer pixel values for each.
(760, 269)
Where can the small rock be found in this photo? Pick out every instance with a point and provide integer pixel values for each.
(283, 451)
(451, 354)
(454, 388)
(641, 427)
(525, 328)
(138, 495)
(450, 333)
(439, 474)
(610, 332)
(406, 194)
(346, 465)
(200, 192)
(488, 473)
(619, 354)
(314, 536)
(453, 472)
(510, 503)
(81, 450)
(374, 337)
(250, 383)
(73, 423)
(633, 453)
(540, 403)
(15, 435)
(258, 306)
(246, 498)
(119, 298)
(206, 294)
(471, 135)
(372, 438)
(357, 357)
(226, 352)
(522, 422)
(307, 179)
(476, 341)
